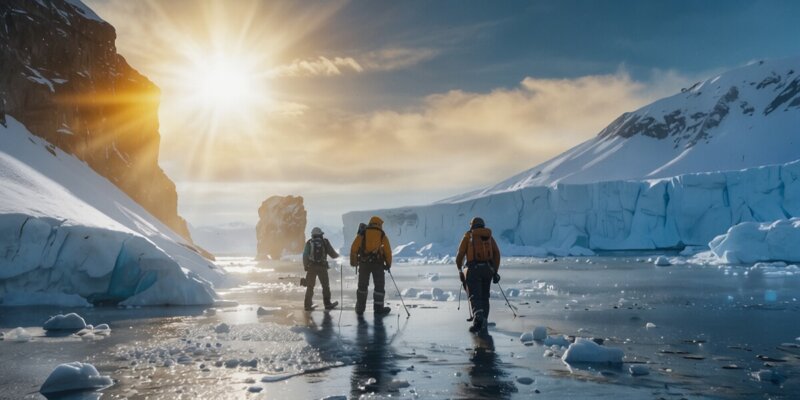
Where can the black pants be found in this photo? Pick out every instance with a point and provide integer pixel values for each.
(378, 294)
(479, 281)
(312, 273)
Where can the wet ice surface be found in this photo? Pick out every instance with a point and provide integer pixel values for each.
(716, 333)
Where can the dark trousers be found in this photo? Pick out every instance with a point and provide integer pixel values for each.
(312, 273)
(479, 281)
(378, 279)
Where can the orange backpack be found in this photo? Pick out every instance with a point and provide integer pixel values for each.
(481, 248)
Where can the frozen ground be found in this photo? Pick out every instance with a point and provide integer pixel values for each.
(719, 332)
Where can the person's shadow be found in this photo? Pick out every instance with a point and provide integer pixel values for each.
(373, 370)
(322, 336)
(487, 379)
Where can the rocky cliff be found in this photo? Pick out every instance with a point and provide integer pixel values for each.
(281, 227)
(61, 77)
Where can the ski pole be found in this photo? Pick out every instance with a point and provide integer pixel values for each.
(398, 292)
(507, 303)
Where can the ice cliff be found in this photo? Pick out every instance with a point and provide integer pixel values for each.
(689, 209)
(65, 230)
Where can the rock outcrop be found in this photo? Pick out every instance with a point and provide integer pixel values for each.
(281, 227)
(61, 77)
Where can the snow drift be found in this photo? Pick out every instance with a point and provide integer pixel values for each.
(66, 230)
(675, 173)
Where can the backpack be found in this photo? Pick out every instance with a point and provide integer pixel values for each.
(318, 252)
(374, 256)
(482, 251)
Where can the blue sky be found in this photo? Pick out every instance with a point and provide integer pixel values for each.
(375, 104)
(484, 45)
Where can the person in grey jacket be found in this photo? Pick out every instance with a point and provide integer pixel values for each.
(315, 263)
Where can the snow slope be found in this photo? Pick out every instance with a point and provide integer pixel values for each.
(647, 181)
(744, 118)
(65, 229)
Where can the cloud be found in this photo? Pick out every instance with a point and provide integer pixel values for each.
(321, 66)
(451, 140)
(388, 59)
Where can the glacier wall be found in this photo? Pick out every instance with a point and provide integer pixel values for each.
(568, 219)
(47, 255)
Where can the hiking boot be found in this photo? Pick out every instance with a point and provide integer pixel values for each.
(310, 308)
(382, 310)
(477, 325)
(331, 306)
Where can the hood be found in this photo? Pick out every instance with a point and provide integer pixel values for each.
(482, 232)
(376, 221)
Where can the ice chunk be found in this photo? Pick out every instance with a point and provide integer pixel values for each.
(557, 340)
(662, 261)
(74, 376)
(540, 333)
(18, 334)
(222, 328)
(639, 370)
(69, 322)
(586, 351)
(749, 242)
(649, 325)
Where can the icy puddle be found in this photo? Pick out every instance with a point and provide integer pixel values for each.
(685, 331)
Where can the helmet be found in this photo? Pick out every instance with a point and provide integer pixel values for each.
(317, 232)
(477, 222)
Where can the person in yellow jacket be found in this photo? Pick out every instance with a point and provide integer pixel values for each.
(482, 257)
(372, 254)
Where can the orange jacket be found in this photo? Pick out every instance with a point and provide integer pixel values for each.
(373, 242)
(465, 248)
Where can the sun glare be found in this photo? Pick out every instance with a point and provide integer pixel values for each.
(224, 85)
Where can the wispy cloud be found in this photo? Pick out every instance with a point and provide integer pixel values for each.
(387, 59)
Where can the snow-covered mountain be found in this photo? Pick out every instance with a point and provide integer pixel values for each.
(676, 172)
(744, 118)
(67, 233)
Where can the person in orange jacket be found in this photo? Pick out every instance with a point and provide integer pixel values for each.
(372, 253)
(482, 257)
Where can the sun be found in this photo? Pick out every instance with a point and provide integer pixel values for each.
(224, 84)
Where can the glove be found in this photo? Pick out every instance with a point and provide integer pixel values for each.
(461, 276)
(387, 268)
(496, 277)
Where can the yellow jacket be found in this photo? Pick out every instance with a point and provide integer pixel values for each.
(465, 248)
(372, 242)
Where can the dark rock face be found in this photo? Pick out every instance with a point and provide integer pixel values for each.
(61, 76)
(685, 127)
(281, 227)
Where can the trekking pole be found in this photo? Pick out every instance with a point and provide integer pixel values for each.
(507, 303)
(471, 314)
(459, 297)
(398, 293)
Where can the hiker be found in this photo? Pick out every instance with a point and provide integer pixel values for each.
(482, 261)
(371, 254)
(315, 263)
